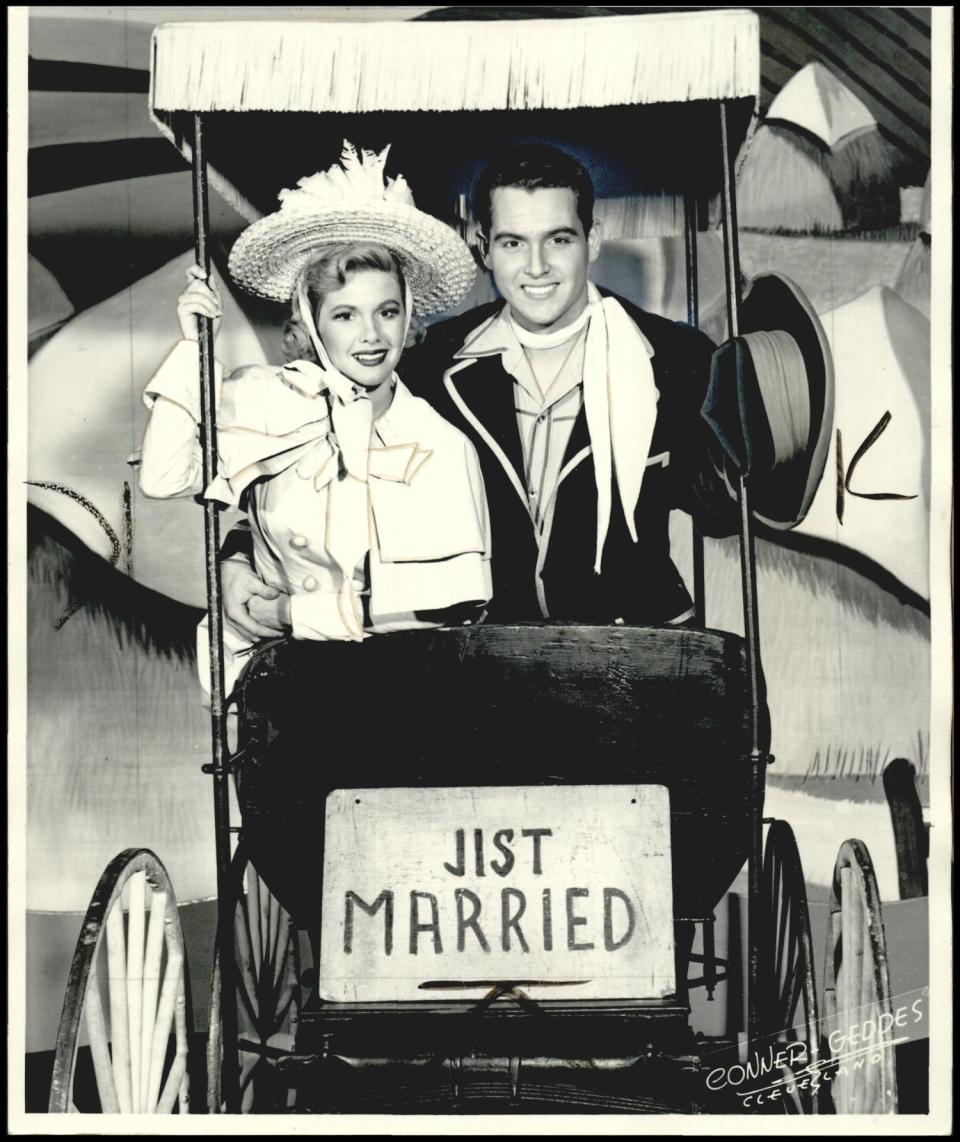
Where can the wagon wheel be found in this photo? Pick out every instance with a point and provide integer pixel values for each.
(267, 959)
(788, 987)
(856, 990)
(126, 970)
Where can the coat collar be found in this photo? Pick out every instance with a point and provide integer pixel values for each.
(491, 338)
(486, 389)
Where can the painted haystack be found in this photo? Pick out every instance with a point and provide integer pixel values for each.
(116, 732)
(649, 215)
(913, 281)
(818, 164)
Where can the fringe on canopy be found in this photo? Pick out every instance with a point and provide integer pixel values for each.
(456, 66)
(640, 216)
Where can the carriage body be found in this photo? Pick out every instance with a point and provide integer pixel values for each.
(521, 711)
(525, 705)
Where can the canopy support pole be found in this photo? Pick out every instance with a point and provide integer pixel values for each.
(758, 758)
(690, 229)
(220, 768)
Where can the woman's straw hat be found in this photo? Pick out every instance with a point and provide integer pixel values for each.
(352, 202)
(770, 400)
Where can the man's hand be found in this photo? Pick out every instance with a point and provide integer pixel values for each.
(270, 612)
(250, 605)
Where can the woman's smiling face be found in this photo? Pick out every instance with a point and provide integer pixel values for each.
(362, 326)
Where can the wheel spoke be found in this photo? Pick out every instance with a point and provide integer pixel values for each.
(284, 980)
(151, 987)
(161, 1035)
(793, 970)
(246, 939)
(279, 935)
(781, 915)
(182, 1040)
(246, 977)
(254, 912)
(119, 1026)
(789, 967)
(267, 991)
(284, 1001)
(102, 1068)
(174, 1087)
(135, 929)
(857, 985)
(264, 900)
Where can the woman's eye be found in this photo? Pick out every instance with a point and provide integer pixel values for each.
(390, 312)
(561, 240)
(344, 316)
(508, 243)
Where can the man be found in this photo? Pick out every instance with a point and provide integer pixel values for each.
(584, 409)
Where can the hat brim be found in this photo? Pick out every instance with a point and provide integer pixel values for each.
(269, 256)
(780, 493)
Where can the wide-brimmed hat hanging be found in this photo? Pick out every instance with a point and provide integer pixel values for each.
(353, 202)
(770, 400)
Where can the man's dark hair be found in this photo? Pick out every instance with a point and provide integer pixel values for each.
(533, 166)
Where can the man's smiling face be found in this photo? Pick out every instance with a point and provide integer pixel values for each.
(539, 254)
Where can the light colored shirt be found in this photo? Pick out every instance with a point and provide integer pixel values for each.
(546, 412)
(546, 418)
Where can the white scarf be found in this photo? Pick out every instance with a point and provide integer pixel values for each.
(619, 398)
(348, 528)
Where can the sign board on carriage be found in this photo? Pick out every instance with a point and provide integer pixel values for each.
(442, 893)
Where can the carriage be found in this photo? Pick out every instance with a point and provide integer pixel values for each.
(542, 818)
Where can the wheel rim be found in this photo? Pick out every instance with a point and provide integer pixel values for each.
(266, 955)
(131, 936)
(788, 985)
(857, 990)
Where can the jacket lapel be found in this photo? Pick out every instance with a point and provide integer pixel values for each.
(487, 391)
(579, 437)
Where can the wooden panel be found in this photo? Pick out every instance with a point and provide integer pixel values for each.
(424, 888)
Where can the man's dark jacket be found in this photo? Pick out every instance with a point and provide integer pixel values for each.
(638, 581)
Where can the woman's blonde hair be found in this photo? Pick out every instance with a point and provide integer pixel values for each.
(328, 272)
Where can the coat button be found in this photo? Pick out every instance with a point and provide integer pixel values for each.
(310, 583)
(298, 541)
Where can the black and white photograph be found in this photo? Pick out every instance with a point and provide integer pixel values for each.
(480, 569)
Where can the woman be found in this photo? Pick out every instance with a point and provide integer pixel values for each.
(366, 507)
